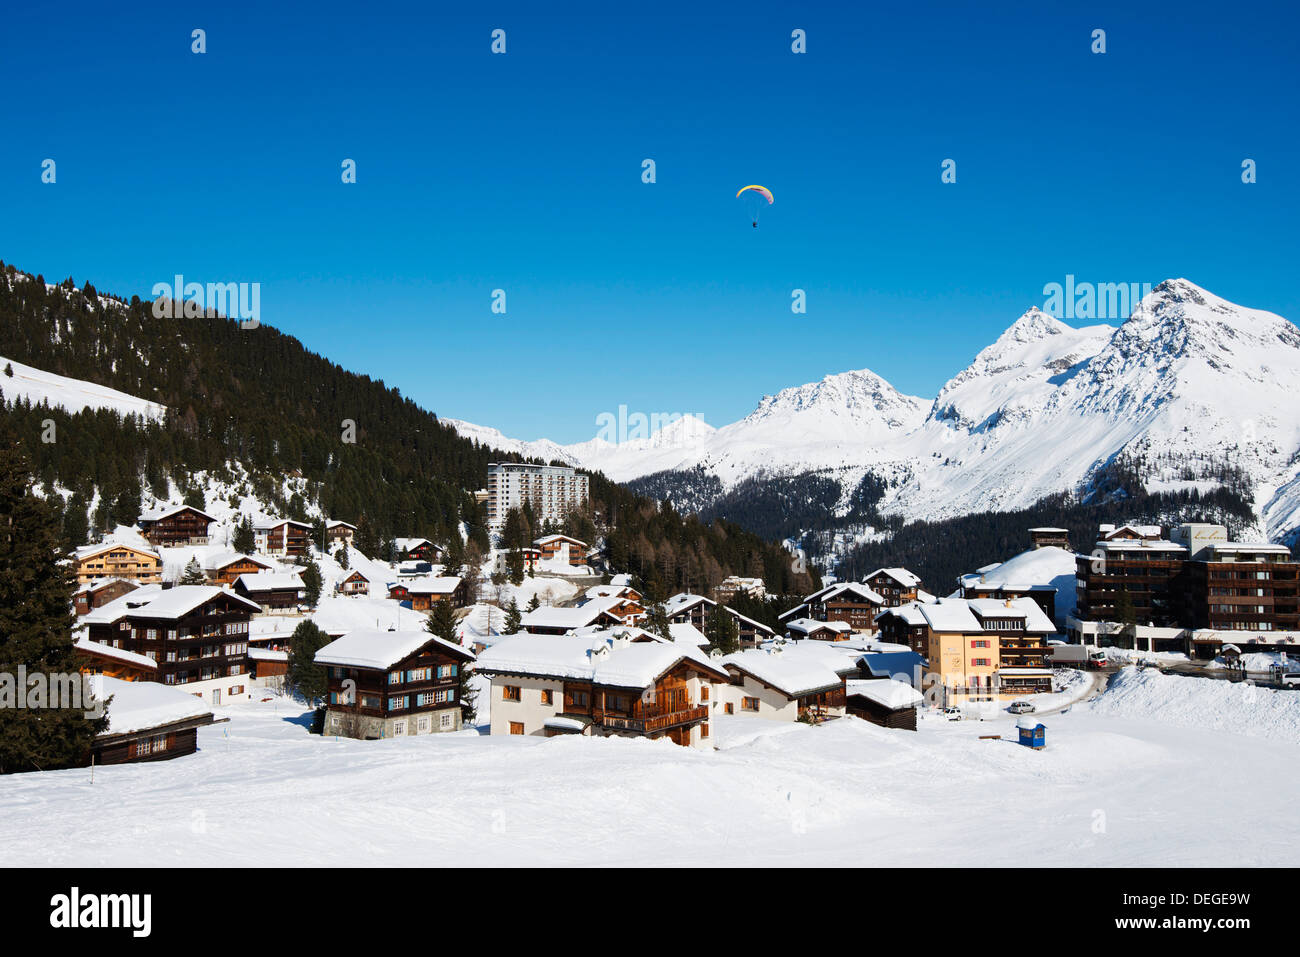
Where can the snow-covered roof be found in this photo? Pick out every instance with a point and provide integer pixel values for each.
(217, 562)
(379, 650)
(271, 581)
(118, 654)
(166, 511)
(558, 538)
(432, 585)
(685, 601)
(142, 705)
(338, 523)
(90, 551)
(848, 590)
(885, 692)
(154, 601)
(806, 626)
(551, 617)
(898, 574)
(687, 634)
(271, 523)
(793, 674)
(601, 659)
(406, 544)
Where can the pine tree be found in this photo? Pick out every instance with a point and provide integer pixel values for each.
(76, 528)
(193, 573)
(515, 566)
(656, 621)
(244, 539)
(9, 369)
(442, 622)
(513, 617)
(341, 556)
(35, 625)
(312, 582)
(722, 631)
(534, 603)
(305, 676)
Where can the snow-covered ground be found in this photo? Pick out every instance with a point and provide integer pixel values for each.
(74, 395)
(1117, 785)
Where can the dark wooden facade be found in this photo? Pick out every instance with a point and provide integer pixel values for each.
(96, 595)
(422, 598)
(244, 565)
(210, 641)
(861, 706)
(424, 682)
(184, 526)
(162, 743)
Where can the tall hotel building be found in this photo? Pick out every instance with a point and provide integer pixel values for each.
(553, 490)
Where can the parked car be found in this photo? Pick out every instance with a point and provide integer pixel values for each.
(1021, 707)
(1291, 679)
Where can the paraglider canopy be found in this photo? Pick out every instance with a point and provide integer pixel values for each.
(754, 198)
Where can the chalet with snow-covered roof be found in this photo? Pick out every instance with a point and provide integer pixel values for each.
(810, 628)
(562, 548)
(117, 560)
(562, 621)
(883, 701)
(272, 590)
(354, 584)
(98, 593)
(601, 683)
(392, 684)
(97, 658)
(1046, 536)
(147, 722)
(416, 549)
(621, 606)
(420, 594)
(734, 585)
(896, 586)
(686, 607)
(225, 568)
(782, 682)
(283, 538)
(173, 525)
(339, 533)
(197, 635)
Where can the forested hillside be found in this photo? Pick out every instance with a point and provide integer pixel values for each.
(258, 398)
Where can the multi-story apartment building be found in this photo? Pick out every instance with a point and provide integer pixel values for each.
(1195, 579)
(552, 490)
(977, 649)
(197, 634)
(117, 560)
(282, 537)
(386, 684)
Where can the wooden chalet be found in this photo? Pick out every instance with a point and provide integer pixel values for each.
(272, 589)
(355, 584)
(385, 684)
(416, 549)
(339, 533)
(97, 658)
(687, 608)
(225, 569)
(786, 683)
(117, 560)
(421, 593)
(895, 586)
(197, 634)
(147, 722)
(96, 594)
(602, 684)
(176, 525)
(554, 547)
(883, 701)
(283, 537)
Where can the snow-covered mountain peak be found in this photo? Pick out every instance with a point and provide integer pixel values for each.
(860, 396)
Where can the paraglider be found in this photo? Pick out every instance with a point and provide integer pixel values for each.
(754, 198)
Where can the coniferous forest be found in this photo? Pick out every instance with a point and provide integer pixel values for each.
(259, 398)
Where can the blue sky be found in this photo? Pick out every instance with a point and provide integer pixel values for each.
(523, 172)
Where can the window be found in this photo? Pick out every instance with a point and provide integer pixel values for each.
(980, 662)
(446, 671)
(423, 724)
(516, 727)
(548, 696)
(704, 730)
(447, 720)
(510, 693)
(748, 704)
(704, 692)
(979, 643)
(399, 728)
(730, 708)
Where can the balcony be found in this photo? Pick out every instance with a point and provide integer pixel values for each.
(648, 724)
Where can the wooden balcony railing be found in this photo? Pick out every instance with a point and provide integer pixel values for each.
(656, 722)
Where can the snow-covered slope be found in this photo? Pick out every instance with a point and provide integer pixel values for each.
(1190, 388)
(74, 395)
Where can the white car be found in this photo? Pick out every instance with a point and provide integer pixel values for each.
(1291, 679)
(1021, 707)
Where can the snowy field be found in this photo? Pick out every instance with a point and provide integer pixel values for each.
(1117, 785)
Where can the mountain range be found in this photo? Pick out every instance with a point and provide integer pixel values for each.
(1190, 392)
